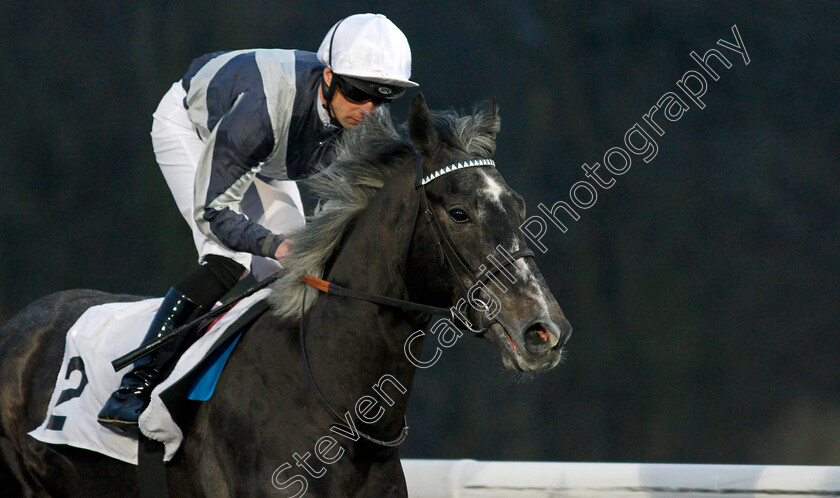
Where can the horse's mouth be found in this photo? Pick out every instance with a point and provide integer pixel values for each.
(510, 341)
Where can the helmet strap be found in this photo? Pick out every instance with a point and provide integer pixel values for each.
(328, 91)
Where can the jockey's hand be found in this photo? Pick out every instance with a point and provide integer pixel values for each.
(283, 251)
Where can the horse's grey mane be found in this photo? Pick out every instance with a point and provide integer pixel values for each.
(365, 157)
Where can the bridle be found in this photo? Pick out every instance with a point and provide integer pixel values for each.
(446, 249)
(448, 256)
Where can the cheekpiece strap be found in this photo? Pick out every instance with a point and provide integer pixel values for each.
(454, 167)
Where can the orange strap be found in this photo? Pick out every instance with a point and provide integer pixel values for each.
(321, 285)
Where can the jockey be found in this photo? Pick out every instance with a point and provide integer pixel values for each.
(228, 138)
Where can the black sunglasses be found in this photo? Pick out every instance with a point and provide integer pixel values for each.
(354, 95)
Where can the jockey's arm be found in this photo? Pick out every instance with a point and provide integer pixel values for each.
(234, 152)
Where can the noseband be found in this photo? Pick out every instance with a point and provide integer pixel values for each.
(448, 256)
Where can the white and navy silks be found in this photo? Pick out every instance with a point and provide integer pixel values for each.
(230, 136)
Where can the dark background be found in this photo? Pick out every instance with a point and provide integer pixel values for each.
(703, 286)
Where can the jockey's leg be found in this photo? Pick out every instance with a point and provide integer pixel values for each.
(191, 296)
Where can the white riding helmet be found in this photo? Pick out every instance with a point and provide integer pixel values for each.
(370, 48)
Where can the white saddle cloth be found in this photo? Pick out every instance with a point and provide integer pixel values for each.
(87, 379)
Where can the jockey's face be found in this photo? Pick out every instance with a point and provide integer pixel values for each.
(347, 113)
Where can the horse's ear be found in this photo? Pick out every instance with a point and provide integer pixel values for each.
(480, 129)
(492, 114)
(420, 128)
(492, 121)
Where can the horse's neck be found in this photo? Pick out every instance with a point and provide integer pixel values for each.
(356, 348)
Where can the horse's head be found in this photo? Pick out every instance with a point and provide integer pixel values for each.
(468, 250)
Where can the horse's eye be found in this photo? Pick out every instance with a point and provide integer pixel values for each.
(458, 215)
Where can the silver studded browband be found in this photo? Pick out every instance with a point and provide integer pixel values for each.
(457, 166)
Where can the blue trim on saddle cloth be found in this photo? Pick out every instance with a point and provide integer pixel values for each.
(204, 385)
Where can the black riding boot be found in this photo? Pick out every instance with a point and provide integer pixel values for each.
(125, 405)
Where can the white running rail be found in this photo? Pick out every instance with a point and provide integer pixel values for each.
(471, 478)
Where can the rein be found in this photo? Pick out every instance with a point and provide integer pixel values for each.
(448, 255)
(337, 290)
(388, 444)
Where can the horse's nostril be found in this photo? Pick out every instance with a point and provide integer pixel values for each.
(538, 339)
